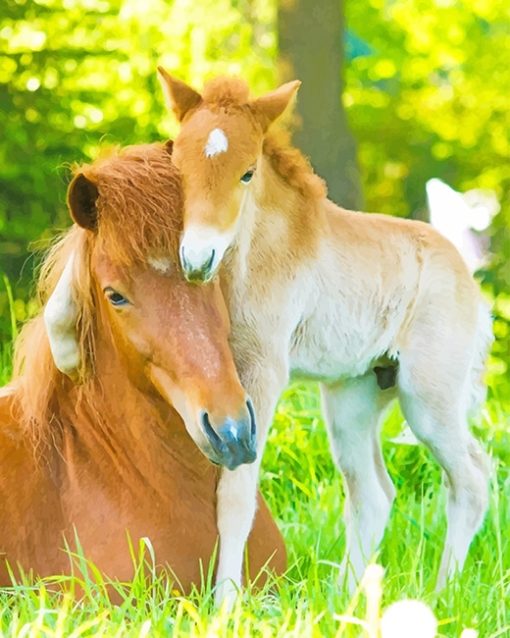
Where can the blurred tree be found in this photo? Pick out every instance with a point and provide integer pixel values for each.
(311, 49)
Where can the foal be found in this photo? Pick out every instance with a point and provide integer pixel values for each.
(373, 306)
(107, 454)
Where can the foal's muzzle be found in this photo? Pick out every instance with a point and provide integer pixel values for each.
(233, 442)
(201, 251)
(198, 268)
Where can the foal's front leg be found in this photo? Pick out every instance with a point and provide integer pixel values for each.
(236, 505)
(237, 490)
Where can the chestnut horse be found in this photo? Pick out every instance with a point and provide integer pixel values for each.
(106, 454)
(372, 306)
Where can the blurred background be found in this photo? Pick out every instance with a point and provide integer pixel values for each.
(395, 93)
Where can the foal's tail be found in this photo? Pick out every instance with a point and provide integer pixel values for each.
(477, 389)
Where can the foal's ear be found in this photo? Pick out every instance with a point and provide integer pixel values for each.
(81, 199)
(269, 107)
(179, 97)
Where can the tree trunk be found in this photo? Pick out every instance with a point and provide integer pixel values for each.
(311, 43)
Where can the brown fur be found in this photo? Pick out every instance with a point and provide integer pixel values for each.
(110, 457)
(149, 218)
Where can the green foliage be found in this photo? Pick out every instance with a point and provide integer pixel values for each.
(79, 74)
(437, 88)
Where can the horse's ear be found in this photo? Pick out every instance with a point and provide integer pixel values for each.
(60, 319)
(269, 107)
(82, 195)
(169, 146)
(179, 97)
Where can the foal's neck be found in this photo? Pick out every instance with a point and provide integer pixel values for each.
(282, 218)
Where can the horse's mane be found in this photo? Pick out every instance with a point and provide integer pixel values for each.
(140, 201)
(139, 211)
(288, 161)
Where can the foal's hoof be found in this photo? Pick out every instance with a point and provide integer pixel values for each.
(226, 595)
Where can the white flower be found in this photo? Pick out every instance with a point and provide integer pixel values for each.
(408, 618)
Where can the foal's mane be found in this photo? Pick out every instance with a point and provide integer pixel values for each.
(288, 162)
(292, 166)
(139, 209)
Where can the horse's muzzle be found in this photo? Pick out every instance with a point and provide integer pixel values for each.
(233, 442)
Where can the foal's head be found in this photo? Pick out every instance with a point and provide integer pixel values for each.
(171, 336)
(217, 153)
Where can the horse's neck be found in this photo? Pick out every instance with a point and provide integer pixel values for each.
(118, 429)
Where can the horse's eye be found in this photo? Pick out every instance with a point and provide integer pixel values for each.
(115, 298)
(246, 178)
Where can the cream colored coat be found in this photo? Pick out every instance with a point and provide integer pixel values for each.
(328, 294)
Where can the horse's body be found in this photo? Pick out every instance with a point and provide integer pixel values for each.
(150, 481)
(110, 457)
(374, 307)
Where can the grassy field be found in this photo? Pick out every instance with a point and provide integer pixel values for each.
(305, 494)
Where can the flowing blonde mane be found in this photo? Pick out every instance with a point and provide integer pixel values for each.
(139, 210)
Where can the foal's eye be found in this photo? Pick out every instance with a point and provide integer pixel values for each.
(246, 178)
(115, 298)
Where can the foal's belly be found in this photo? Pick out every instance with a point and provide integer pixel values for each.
(325, 366)
(331, 346)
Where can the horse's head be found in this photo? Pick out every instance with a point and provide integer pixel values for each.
(218, 152)
(171, 336)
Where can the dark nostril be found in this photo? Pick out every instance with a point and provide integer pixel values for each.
(253, 425)
(182, 255)
(209, 430)
(209, 264)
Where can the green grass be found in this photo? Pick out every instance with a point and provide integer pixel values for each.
(305, 493)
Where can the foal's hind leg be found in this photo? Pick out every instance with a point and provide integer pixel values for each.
(433, 379)
(353, 409)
